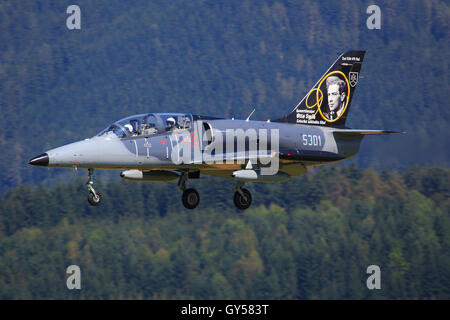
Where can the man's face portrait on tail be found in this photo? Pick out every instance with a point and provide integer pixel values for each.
(336, 97)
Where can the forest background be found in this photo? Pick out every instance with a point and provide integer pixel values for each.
(312, 237)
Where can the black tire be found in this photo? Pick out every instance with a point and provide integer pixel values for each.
(190, 198)
(240, 202)
(94, 201)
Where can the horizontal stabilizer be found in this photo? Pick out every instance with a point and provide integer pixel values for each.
(363, 132)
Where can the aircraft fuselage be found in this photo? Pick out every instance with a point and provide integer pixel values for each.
(310, 145)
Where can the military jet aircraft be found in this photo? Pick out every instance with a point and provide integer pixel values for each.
(159, 147)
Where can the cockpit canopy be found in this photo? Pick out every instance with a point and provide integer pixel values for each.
(148, 124)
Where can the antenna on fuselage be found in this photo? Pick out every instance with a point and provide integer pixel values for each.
(250, 115)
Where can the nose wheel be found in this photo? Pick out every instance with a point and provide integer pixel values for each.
(94, 197)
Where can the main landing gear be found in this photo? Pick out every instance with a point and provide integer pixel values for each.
(190, 197)
(94, 197)
(242, 197)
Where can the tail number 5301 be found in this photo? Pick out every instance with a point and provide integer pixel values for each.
(311, 140)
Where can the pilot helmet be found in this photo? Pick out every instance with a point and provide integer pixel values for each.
(170, 122)
(129, 127)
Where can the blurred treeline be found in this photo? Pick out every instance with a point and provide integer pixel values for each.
(218, 58)
(310, 238)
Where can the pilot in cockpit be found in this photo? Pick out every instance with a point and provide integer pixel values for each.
(129, 128)
(170, 124)
(187, 123)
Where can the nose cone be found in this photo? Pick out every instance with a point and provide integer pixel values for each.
(40, 160)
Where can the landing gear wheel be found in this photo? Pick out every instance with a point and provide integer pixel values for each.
(190, 198)
(94, 200)
(240, 202)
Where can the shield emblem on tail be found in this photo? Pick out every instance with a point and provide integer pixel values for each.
(353, 78)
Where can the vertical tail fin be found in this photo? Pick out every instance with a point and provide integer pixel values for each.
(328, 102)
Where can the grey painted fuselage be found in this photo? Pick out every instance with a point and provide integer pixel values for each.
(299, 146)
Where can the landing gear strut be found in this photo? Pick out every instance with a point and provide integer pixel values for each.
(190, 197)
(242, 197)
(94, 197)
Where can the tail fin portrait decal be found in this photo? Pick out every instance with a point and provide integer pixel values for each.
(338, 94)
(328, 102)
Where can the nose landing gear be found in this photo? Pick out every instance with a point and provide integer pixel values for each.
(94, 197)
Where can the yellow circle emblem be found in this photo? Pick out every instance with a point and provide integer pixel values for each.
(319, 97)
